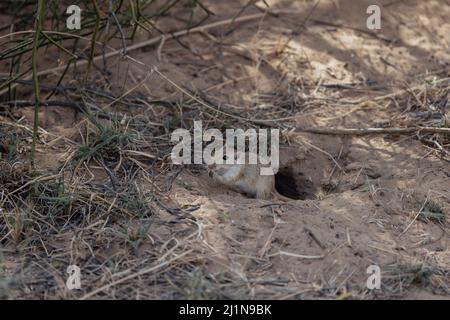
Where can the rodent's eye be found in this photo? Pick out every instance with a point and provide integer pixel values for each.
(225, 157)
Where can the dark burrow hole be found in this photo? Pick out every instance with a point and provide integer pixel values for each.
(294, 185)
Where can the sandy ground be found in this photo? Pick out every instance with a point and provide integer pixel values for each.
(360, 196)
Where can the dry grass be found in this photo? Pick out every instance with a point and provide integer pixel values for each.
(107, 207)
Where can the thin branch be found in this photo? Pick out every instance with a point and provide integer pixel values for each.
(368, 131)
(37, 27)
(149, 42)
(94, 38)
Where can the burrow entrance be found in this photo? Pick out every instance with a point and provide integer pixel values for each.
(305, 176)
(296, 187)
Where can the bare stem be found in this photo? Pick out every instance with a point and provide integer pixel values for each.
(37, 28)
(94, 38)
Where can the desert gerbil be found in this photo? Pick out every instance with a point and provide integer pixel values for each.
(246, 178)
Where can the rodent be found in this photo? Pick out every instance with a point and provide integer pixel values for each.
(245, 178)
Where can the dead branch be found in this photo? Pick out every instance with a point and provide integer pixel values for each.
(368, 131)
